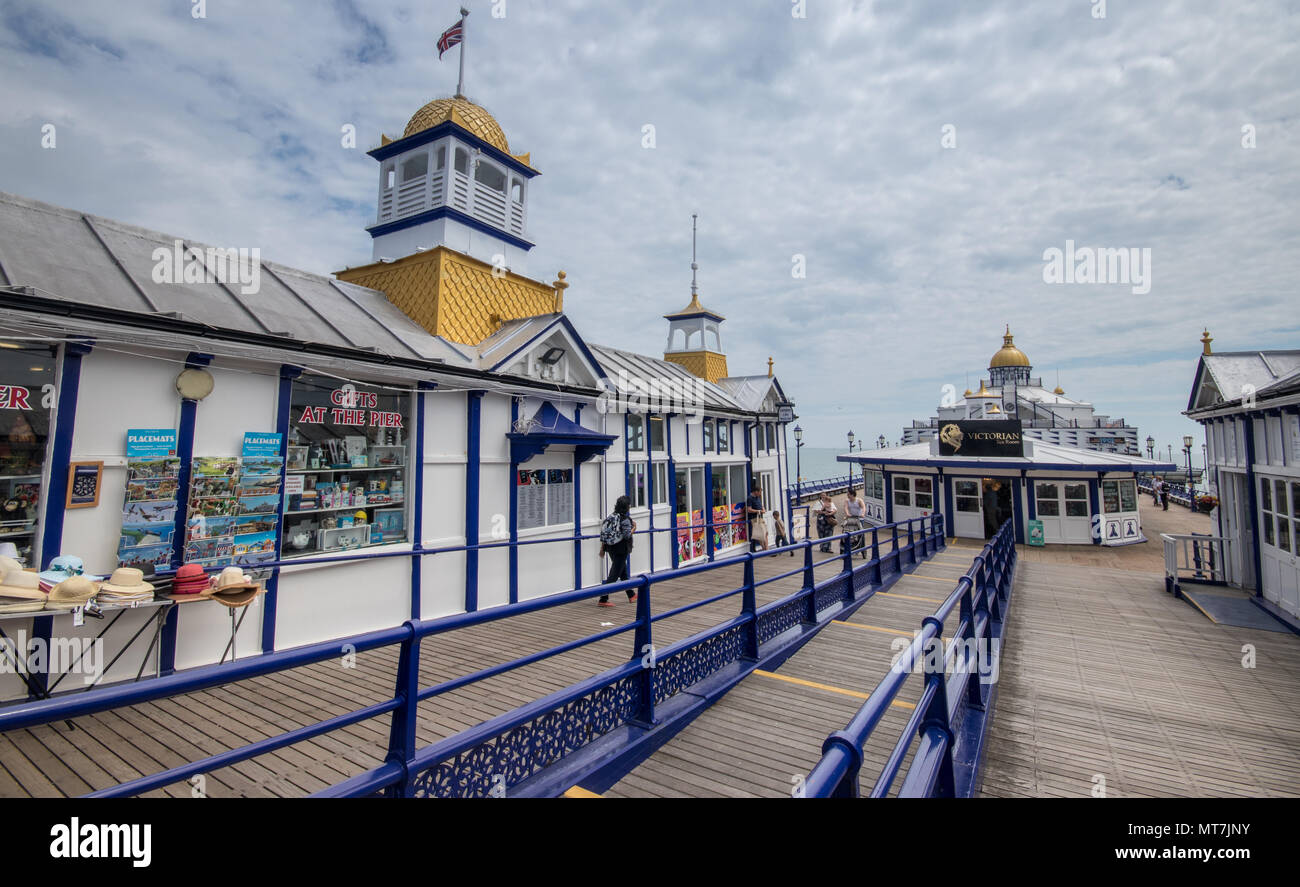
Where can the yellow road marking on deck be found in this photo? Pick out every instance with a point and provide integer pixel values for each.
(827, 687)
(911, 597)
(905, 634)
(865, 627)
(579, 792)
(1202, 609)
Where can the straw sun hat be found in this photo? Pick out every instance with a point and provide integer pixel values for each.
(126, 584)
(232, 588)
(20, 591)
(71, 593)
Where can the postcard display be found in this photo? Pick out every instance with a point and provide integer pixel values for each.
(233, 505)
(149, 511)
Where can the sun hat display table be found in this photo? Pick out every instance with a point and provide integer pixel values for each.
(235, 622)
(14, 652)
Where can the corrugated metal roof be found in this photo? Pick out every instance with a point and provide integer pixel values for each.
(748, 391)
(90, 260)
(1232, 371)
(640, 366)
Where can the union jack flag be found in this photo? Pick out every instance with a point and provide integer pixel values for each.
(451, 37)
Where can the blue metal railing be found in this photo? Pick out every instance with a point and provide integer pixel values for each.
(809, 488)
(523, 743)
(946, 705)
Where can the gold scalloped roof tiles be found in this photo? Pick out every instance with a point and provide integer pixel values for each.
(454, 296)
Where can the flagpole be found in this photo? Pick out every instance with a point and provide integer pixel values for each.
(460, 84)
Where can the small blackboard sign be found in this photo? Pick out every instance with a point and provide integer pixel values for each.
(83, 484)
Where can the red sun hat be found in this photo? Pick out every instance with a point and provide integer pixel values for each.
(190, 579)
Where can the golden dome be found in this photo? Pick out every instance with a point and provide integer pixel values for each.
(464, 113)
(1059, 390)
(1009, 355)
(983, 392)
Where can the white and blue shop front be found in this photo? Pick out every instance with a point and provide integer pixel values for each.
(501, 480)
(1076, 496)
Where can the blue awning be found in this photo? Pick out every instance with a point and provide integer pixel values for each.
(548, 428)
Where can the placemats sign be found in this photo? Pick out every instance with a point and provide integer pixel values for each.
(149, 509)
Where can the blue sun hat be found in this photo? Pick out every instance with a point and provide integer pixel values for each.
(65, 566)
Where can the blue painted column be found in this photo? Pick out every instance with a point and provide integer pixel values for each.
(65, 419)
(577, 507)
(949, 512)
(1017, 510)
(1252, 496)
(708, 509)
(416, 473)
(650, 496)
(473, 452)
(57, 496)
(889, 496)
(283, 416)
(1094, 503)
(514, 510)
(627, 465)
(1030, 497)
(672, 489)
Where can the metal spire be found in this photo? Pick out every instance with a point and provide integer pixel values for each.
(460, 84)
(694, 265)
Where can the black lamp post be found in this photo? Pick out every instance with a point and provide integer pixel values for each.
(852, 437)
(1187, 448)
(1151, 447)
(798, 463)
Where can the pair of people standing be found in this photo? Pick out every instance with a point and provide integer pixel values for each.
(855, 511)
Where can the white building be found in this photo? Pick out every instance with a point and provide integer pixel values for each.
(1249, 404)
(436, 400)
(1012, 392)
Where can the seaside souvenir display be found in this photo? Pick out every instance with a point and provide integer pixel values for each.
(356, 449)
(233, 502)
(149, 509)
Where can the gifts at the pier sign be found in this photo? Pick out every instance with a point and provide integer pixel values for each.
(356, 409)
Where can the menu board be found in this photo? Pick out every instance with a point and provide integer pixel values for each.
(543, 496)
(149, 509)
(530, 499)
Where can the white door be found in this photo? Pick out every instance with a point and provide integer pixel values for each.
(1279, 507)
(968, 517)
(1063, 508)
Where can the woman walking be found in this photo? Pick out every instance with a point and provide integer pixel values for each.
(616, 541)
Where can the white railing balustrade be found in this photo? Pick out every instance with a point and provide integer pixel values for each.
(1189, 556)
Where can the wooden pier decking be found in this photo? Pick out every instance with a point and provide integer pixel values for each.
(106, 749)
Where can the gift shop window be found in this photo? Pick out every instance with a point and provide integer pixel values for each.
(26, 394)
(346, 468)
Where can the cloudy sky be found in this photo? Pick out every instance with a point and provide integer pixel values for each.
(821, 137)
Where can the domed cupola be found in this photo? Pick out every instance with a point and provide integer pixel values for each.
(450, 180)
(1010, 365)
